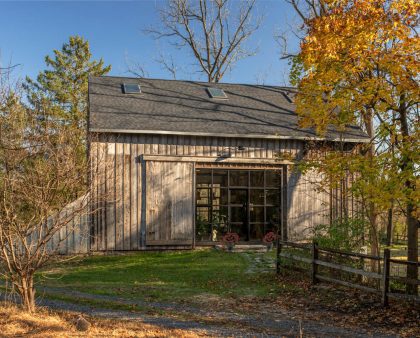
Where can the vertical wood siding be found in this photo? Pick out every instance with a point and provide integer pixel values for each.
(169, 203)
(73, 237)
(126, 220)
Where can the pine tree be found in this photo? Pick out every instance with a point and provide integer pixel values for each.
(64, 85)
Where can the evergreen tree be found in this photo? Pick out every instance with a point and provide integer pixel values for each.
(64, 86)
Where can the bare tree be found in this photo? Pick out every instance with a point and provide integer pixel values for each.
(41, 190)
(305, 10)
(213, 32)
(136, 68)
(308, 9)
(168, 64)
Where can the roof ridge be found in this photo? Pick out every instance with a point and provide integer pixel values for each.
(198, 82)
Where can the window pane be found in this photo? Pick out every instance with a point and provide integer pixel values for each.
(238, 214)
(239, 229)
(203, 213)
(273, 197)
(238, 196)
(271, 227)
(257, 214)
(273, 215)
(257, 231)
(272, 179)
(220, 215)
(224, 196)
(203, 196)
(238, 178)
(220, 196)
(220, 178)
(257, 178)
(202, 224)
(257, 196)
(203, 178)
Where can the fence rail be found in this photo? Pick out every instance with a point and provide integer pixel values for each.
(356, 266)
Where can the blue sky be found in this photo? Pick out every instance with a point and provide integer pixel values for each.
(31, 30)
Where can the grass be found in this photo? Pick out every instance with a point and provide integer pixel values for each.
(162, 276)
(219, 282)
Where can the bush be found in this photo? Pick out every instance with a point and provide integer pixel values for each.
(347, 234)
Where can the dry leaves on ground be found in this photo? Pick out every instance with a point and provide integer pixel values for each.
(46, 324)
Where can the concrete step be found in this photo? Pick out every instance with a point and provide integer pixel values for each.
(243, 248)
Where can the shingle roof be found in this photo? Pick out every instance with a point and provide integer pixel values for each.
(185, 107)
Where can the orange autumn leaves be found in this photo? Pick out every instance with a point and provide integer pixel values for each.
(360, 62)
(361, 54)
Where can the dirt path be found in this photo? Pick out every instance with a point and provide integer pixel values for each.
(205, 321)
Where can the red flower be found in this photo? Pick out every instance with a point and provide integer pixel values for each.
(231, 237)
(269, 237)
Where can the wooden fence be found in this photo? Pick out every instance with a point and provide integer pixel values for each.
(356, 270)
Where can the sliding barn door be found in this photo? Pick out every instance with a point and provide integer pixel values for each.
(169, 203)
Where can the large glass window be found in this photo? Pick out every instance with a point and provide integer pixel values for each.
(244, 201)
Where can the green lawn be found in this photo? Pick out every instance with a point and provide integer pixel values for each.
(155, 276)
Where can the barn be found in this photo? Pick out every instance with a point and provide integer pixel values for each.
(176, 164)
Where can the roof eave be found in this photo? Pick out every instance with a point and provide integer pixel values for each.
(257, 136)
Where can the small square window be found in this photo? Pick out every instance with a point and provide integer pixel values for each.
(216, 93)
(131, 88)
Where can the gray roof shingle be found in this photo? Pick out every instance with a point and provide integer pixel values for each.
(184, 107)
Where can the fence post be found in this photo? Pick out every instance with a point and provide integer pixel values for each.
(314, 264)
(385, 277)
(278, 255)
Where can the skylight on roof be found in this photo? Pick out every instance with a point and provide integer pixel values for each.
(216, 93)
(131, 88)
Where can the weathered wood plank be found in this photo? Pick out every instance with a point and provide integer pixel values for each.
(348, 284)
(133, 198)
(169, 199)
(126, 187)
(110, 196)
(349, 269)
(211, 159)
(296, 258)
(119, 198)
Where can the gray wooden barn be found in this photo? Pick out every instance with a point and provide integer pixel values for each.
(180, 163)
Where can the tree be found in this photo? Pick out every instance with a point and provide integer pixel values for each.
(214, 32)
(38, 176)
(359, 65)
(65, 85)
(43, 163)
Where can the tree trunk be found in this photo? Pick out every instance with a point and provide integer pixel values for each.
(27, 293)
(389, 227)
(371, 208)
(412, 247)
(373, 237)
(407, 166)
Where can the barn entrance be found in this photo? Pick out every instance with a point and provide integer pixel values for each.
(247, 202)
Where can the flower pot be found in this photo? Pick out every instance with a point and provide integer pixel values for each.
(269, 246)
(230, 247)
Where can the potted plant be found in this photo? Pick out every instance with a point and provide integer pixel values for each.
(269, 239)
(202, 228)
(230, 239)
(219, 223)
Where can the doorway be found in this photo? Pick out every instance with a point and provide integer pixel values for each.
(247, 202)
(239, 212)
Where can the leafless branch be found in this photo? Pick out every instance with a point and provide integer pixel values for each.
(214, 32)
(168, 64)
